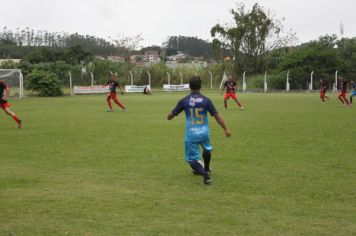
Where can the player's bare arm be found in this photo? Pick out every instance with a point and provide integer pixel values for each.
(121, 90)
(6, 94)
(170, 116)
(221, 122)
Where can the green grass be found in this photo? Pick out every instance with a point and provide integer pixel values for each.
(74, 169)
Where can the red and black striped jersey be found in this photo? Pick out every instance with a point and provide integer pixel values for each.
(113, 84)
(230, 86)
(2, 88)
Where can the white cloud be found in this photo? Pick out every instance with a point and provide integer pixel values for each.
(157, 19)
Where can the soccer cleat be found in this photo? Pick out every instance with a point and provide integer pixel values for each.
(109, 110)
(209, 171)
(207, 180)
(124, 109)
(19, 124)
(194, 172)
(241, 108)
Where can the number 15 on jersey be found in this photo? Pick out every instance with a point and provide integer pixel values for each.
(196, 116)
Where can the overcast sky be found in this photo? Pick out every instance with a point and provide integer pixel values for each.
(157, 19)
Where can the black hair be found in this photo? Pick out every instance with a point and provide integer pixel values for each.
(195, 83)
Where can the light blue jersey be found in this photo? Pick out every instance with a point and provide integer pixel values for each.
(196, 108)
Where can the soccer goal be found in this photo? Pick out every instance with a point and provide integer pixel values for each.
(14, 78)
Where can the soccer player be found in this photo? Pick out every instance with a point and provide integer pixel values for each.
(113, 84)
(323, 90)
(230, 87)
(342, 87)
(353, 91)
(4, 93)
(196, 107)
(146, 91)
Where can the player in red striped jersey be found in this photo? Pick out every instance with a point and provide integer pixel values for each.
(230, 87)
(113, 84)
(4, 93)
(323, 90)
(342, 87)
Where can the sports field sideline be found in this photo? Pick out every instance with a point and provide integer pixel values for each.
(75, 169)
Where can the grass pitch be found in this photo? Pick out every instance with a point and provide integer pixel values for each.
(75, 169)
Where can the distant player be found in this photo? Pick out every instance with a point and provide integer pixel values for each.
(4, 93)
(197, 133)
(230, 87)
(342, 87)
(146, 91)
(113, 84)
(353, 91)
(323, 90)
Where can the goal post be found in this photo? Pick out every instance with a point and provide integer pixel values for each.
(14, 78)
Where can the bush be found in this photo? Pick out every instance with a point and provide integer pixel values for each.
(44, 83)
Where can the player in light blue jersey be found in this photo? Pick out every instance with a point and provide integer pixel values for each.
(197, 133)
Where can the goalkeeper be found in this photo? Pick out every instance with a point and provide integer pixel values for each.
(4, 94)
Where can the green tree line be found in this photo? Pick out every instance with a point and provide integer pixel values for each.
(256, 42)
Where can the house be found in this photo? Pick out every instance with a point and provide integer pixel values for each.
(152, 56)
(117, 58)
(178, 57)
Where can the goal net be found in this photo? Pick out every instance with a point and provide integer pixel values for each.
(14, 78)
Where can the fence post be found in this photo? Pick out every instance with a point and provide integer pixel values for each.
(92, 78)
(211, 80)
(149, 78)
(311, 81)
(244, 86)
(169, 77)
(131, 77)
(70, 83)
(287, 85)
(265, 83)
(223, 80)
(335, 85)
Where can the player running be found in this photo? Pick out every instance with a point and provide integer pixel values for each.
(197, 133)
(113, 84)
(323, 90)
(353, 91)
(342, 87)
(230, 87)
(4, 94)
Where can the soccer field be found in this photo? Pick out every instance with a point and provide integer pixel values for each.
(75, 169)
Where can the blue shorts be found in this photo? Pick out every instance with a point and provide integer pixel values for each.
(192, 150)
(353, 93)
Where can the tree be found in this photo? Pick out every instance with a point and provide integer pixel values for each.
(192, 46)
(319, 56)
(126, 44)
(253, 34)
(346, 49)
(77, 55)
(44, 83)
